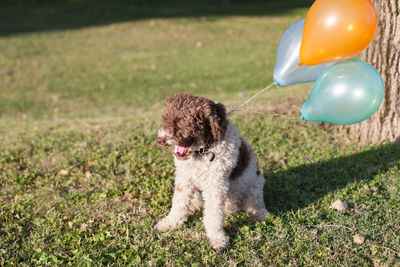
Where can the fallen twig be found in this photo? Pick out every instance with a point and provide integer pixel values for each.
(389, 249)
(334, 225)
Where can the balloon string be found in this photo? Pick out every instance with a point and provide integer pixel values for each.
(254, 96)
(260, 92)
(283, 115)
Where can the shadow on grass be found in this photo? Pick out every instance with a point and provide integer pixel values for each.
(21, 16)
(298, 187)
(295, 188)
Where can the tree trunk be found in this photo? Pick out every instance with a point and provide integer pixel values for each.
(384, 55)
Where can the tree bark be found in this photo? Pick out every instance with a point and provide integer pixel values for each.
(384, 54)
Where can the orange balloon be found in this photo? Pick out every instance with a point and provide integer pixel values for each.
(337, 30)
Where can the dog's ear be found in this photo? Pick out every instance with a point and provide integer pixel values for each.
(217, 120)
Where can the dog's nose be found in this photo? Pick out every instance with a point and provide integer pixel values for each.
(161, 140)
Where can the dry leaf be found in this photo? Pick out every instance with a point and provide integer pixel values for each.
(102, 85)
(84, 226)
(54, 98)
(283, 163)
(358, 239)
(88, 174)
(339, 206)
(63, 172)
(22, 116)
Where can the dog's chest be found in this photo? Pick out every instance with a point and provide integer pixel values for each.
(196, 170)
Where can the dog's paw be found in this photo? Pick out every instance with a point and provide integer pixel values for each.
(163, 225)
(166, 225)
(219, 242)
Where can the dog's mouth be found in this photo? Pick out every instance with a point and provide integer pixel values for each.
(181, 150)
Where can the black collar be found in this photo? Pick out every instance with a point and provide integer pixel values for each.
(205, 150)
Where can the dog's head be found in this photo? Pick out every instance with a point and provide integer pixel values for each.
(191, 122)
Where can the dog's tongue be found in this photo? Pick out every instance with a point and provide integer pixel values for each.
(181, 149)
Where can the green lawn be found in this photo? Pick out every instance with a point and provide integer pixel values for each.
(82, 180)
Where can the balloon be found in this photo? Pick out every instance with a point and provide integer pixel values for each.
(337, 29)
(348, 92)
(287, 70)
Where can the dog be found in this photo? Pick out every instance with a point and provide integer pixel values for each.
(215, 167)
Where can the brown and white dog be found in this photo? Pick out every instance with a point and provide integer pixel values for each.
(215, 166)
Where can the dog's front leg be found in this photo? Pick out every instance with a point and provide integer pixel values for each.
(180, 208)
(214, 201)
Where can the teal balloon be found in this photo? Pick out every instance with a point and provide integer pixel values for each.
(348, 92)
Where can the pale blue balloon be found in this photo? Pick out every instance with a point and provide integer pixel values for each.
(287, 70)
(348, 92)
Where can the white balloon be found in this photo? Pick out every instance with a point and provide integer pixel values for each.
(287, 70)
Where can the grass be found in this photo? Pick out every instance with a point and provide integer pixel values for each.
(82, 181)
(131, 66)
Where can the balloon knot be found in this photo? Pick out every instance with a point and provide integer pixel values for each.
(301, 64)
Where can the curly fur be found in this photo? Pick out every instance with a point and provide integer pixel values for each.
(194, 119)
(229, 183)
